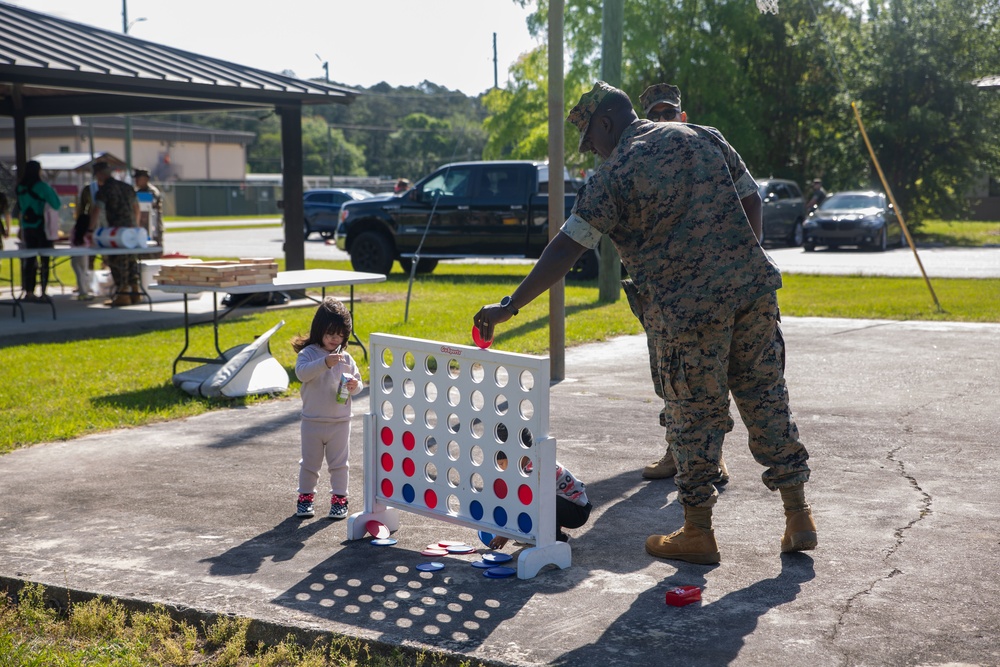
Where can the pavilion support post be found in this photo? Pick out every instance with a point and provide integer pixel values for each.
(291, 185)
(20, 130)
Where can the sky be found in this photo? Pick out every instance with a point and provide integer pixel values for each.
(447, 42)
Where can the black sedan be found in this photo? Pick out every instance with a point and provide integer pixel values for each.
(862, 218)
(322, 208)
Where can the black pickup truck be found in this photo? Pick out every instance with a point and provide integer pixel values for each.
(466, 209)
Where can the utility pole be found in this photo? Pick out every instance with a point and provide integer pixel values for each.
(496, 81)
(329, 130)
(128, 119)
(612, 22)
(557, 187)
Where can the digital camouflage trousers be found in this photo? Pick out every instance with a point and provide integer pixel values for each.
(743, 354)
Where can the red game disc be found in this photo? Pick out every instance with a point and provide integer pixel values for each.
(434, 552)
(478, 340)
(377, 529)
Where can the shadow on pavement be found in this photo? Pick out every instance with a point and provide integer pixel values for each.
(697, 634)
(281, 543)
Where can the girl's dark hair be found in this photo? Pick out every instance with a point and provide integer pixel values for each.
(331, 317)
(32, 173)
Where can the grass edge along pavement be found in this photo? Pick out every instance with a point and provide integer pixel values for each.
(53, 625)
(67, 398)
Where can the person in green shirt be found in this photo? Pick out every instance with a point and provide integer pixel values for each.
(32, 195)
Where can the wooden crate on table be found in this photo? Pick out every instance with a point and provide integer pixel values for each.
(247, 271)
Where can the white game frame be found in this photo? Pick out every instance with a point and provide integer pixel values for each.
(440, 414)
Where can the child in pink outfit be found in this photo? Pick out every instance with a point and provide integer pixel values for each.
(329, 379)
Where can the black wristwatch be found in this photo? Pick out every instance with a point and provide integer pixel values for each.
(507, 305)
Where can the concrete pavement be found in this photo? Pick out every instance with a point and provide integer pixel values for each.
(900, 419)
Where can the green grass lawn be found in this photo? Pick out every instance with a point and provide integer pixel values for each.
(209, 227)
(103, 633)
(964, 233)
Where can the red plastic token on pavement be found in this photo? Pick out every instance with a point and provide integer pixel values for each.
(377, 529)
(444, 544)
(434, 552)
(478, 340)
(682, 595)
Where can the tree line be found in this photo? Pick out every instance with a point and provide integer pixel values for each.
(779, 87)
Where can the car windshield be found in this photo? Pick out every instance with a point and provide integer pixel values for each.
(851, 201)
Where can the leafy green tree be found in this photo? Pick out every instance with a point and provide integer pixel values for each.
(422, 143)
(780, 87)
(933, 132)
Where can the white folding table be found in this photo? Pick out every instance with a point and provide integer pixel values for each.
(286, 281)
(54, 253)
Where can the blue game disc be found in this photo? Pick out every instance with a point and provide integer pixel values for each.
(483, 565)
(385, 542)
(499, 572)
(497, 558)
(430, 567)
(485, 537)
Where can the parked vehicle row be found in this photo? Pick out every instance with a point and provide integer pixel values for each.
(783, 210)
(321, 208)
(462, 210)
(500, 209)
(862, 218)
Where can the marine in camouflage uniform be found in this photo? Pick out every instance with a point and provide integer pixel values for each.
(121, 209)
(669, 197)
(661, 102)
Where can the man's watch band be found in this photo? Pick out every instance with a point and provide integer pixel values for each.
(507, 305)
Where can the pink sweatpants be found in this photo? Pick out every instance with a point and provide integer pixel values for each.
(329, 440)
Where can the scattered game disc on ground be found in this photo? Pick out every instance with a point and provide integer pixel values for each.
(384, 541)
(430, 567)
(377, 529)
(485, 537)
(483, 565)
(461, 549)
(478, 340)
(444, 544)
(683, 595)
(497, 558)
(499, 572)
(434, 552)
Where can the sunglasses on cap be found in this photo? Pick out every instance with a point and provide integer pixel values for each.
(664, 113)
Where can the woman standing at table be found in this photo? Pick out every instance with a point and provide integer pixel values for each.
(32, 195)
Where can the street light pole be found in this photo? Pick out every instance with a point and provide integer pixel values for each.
(329, 129)
(126, 24)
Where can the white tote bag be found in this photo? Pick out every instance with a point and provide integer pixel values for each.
(51, 223)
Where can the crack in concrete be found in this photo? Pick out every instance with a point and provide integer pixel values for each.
(924, 505)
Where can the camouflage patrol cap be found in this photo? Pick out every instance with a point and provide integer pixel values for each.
(660, 93)
(581, 114)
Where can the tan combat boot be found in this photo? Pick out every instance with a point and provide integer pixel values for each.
(122, 299)
(661, 469)
(800, 528)
(723, 476)
(135, 296)
(694, 543)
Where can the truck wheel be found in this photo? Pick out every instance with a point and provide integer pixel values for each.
(586, 268)
(371, 253)
(423, 266)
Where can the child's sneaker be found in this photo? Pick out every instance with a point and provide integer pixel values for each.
(338, 507)
(305, 505)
